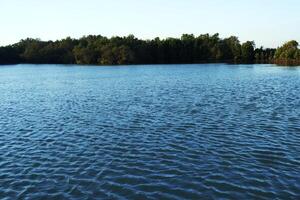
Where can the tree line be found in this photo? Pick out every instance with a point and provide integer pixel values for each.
(100, 50)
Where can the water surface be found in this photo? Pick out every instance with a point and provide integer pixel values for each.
(149, 132)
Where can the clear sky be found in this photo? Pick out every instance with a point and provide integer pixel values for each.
(268, 22)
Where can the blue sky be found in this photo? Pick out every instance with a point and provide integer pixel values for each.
(268, 22)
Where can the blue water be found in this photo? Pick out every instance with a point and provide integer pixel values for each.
(149, 132)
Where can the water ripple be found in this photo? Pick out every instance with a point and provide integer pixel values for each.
(149, 132)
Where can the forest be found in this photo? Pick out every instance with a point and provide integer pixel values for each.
(189, 49)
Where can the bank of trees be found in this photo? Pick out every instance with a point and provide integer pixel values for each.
(99, 50)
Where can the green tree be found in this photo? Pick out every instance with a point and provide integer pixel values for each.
(288, 51)
(247, 51)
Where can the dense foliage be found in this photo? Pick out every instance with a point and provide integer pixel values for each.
(101, 50)
(288, 54)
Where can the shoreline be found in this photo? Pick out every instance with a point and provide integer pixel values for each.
(153, 64)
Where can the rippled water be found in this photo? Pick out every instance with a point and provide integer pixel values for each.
(149, 132)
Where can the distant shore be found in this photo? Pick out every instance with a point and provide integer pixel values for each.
(189, 49)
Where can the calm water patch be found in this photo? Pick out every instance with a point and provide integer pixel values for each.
(149, 132)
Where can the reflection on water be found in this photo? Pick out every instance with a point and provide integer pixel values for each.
(149, 132)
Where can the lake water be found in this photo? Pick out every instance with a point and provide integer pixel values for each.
(149, 132)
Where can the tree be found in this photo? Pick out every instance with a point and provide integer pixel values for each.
(288, 51)
(85, 55)
(231, 48)
(247, 51)
(112, 55)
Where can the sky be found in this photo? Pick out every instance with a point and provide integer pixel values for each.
(268, 22)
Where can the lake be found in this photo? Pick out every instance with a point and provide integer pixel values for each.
(211, 131)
